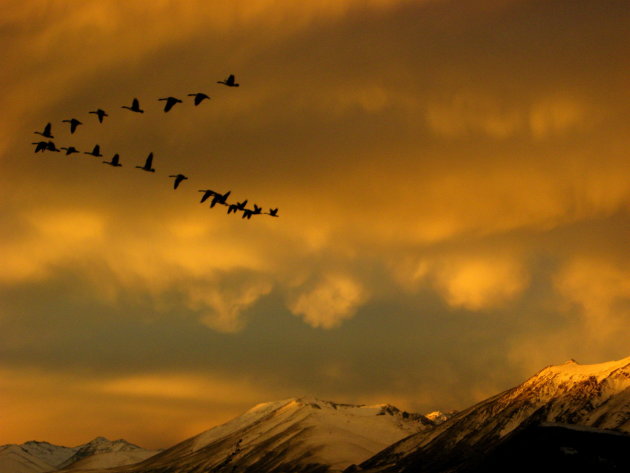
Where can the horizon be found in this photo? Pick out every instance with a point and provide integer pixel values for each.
(453, 191)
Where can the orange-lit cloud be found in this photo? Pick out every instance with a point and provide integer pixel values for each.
(480, 283)
(329, 301)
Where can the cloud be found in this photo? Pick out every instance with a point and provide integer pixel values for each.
(329, 301)
(471, 113)
(601, 291)
(475, 282)
(50, 239)
(467, 113)
(557, 116)
(480, 283)
(155, 410)
(221, 308)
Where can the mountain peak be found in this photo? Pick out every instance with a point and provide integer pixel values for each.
(296, 434)
(573, 372)
(595, 396)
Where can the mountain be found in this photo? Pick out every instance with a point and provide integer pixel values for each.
(14, 459)
(297, 435)
(103, 453)
(595, 396)
(553, 448)
(33, 457)
(52, 454)
(40, 457)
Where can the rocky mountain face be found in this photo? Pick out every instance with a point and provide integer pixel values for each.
(296, 435)
(595, 396)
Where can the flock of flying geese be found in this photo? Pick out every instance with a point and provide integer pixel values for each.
(218, 198)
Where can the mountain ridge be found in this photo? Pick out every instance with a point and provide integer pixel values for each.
(595, 396)
(297, 434)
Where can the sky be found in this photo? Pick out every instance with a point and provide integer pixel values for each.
(453, 185)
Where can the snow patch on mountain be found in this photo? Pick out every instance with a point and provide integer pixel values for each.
(439, 417)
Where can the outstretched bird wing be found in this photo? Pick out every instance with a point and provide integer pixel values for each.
(200, 98)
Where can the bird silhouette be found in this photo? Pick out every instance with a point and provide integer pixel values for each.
(220, 199)
(236, 207)
(170, 102)
(115, 161)
(70, 150)
(41, 146)
(47, 131)
(50, 146)
(273, 212)
(100, 113)
(247, 213)
(135, 106)
(74, 123)
(147, 164)
(229, 81)
(178, 179)
(96, 152)
(206, 194)
(199, 97)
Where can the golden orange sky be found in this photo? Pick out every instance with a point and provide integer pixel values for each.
(453, 180)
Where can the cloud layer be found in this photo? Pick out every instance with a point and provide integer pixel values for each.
(453, 194)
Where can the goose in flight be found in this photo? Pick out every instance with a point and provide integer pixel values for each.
(41, 146)
(220, 199)
(273, 212)
(50, 146)
(74, 123)
(70, 150)
(236, 207)
(178, 179)
(96, 152)
(47, 131)
(229, 81)
(135, 106)
(100, 113)
(247, 213)
(206, 194)
(147, 164)
(199, 97)
(115, 161)
(170, 102)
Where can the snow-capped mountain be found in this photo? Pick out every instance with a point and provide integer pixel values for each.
(297, 435)
(14, 459)
(52, 454)
(33, 457)
(596, 396)
(40, 457)
(103, 453)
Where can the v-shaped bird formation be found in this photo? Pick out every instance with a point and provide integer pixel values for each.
(215, 198)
